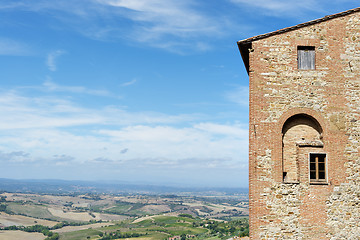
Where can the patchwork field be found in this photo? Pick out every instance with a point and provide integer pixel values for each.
(105, 216)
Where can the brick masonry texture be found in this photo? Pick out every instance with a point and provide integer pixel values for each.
(329, 98)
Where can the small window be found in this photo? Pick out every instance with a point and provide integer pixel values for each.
(306, 57)
(317, 167)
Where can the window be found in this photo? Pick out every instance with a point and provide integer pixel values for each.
(306, 57)
(317, 167)
(301, 135)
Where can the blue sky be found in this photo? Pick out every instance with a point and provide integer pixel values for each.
(142, 91)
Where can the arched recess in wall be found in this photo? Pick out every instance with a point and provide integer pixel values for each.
(301, 133)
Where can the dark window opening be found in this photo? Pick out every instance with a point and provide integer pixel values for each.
(317, 167)
(284, 176)
(306, 57)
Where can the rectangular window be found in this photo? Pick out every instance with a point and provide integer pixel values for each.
(306, 57)
(317, 167)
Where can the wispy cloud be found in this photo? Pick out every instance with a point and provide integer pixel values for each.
(15, 156)
(235, 130)
(279, 6)
(22, 111)
(239, 95)
(49, 85)
(177, 18)
(52, 57)
(206, 140)
(177, 26)
(295, 9)
(171, 25)
(125, 84)
(12, 47)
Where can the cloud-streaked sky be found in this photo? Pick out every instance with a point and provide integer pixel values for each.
(143, 91)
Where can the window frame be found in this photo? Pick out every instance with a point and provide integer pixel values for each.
(317, 180)
(312, 57)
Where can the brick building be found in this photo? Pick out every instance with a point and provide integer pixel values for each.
(304, 158)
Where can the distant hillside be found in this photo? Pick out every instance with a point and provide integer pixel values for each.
(65, 186)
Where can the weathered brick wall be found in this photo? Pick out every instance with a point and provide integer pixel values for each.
(331, 95)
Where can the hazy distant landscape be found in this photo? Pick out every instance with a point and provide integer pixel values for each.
(56, 209)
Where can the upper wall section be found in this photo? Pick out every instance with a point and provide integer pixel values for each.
(245, 45)
(277, 84)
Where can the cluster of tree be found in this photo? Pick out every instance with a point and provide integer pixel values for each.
(55, 236)
(117, 235)
(185, 215)
(4, 208)
(237, 227)
(68, 204)
(66, 223)
(92, 196)
(36, 228)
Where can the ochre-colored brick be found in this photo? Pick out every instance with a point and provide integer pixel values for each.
(326, 105)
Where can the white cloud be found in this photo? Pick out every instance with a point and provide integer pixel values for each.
(235, 130)
(58, 130)
(172, 25)
(239, 95)
(143, 144)
(177, 26)
(11, 47)
(52, 86)
(52, 58)
(15, 156)
(196, 141)
(288, 8)
(125, 84)
(177, 18)
(20, 112)
(10, 5)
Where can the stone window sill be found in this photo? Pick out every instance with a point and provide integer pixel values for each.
(319, 183)
(291, 182)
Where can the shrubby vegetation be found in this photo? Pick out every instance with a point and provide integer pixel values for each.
(118, 234)
(185, 215)
(66, 223)
(237, 227)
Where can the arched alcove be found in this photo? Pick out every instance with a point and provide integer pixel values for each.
(298, 131)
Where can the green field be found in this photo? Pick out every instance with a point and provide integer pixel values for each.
(124, 208)
(31, 210)
(163, 227)
(80, 235)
